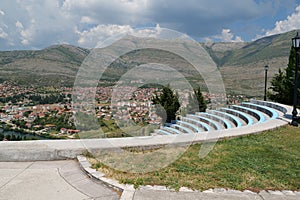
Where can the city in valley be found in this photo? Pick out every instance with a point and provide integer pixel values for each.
(40, 113)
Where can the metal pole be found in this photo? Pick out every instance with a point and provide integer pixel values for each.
(266, 78)
(294, 118)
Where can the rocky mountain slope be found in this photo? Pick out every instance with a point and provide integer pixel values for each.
(241, 64)
(55, 65)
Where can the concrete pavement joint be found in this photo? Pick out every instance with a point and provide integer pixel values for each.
(50, 180)
(85, 166)
(127, 190)
(17, 175)
(68, 182)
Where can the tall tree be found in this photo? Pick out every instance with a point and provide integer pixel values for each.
(197, 103)
(282, 84)
(167, 104)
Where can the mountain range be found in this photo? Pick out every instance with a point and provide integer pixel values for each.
(241, 64)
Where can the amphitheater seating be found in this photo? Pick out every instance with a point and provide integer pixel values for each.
(235, 116)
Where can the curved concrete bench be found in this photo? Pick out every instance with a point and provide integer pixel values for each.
(194, 127)
(273, 114)
(247, 118)
(163, 132)
(235, 120)
(210, 122)
(205, 126)
(255, 113)
(273, 105)
(182, 128)
(171, 130)
(225, 122)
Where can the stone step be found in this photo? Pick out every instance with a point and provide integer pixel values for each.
(237, 122)
(212, 123)
(273, 114)
(193, 127)
(273, 105)
(259, 116)
(198, 123)
(221, 120)
(244, 114)
(182, 129)
(248, 120)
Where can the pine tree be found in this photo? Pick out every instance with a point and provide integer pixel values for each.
(279, 89)
(282, 84)
(197, 102)
(290, 77)
(167, 104)
(201, 101)
(13, 138)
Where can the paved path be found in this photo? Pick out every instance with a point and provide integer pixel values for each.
(57, 180)
(64, 180)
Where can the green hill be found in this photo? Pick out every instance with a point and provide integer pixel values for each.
(241, 64)
(56, 65)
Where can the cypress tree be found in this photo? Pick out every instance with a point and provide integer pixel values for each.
(282, 84)
(197, 102)
(167, 104)
(279, 90)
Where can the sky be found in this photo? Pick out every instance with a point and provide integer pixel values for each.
(37, 24)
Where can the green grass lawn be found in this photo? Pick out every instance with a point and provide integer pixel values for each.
(266, 161)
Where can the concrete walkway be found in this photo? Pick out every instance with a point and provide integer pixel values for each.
(57, 180)
(64, 180)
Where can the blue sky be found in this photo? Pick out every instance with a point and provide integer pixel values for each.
(36, 24)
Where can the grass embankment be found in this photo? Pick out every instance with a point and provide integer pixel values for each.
(110, 129)
(267, 161)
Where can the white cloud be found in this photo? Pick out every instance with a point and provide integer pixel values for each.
(107, 12)
(27, 35)
(86, 19)
(291, 23)
(19, 25)
(191, 17)
(82, 22)
(91, 37)
(225, 36)
(148, 32)
(97, 35)
(3, 35)
(208, 41)
(44, 24)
